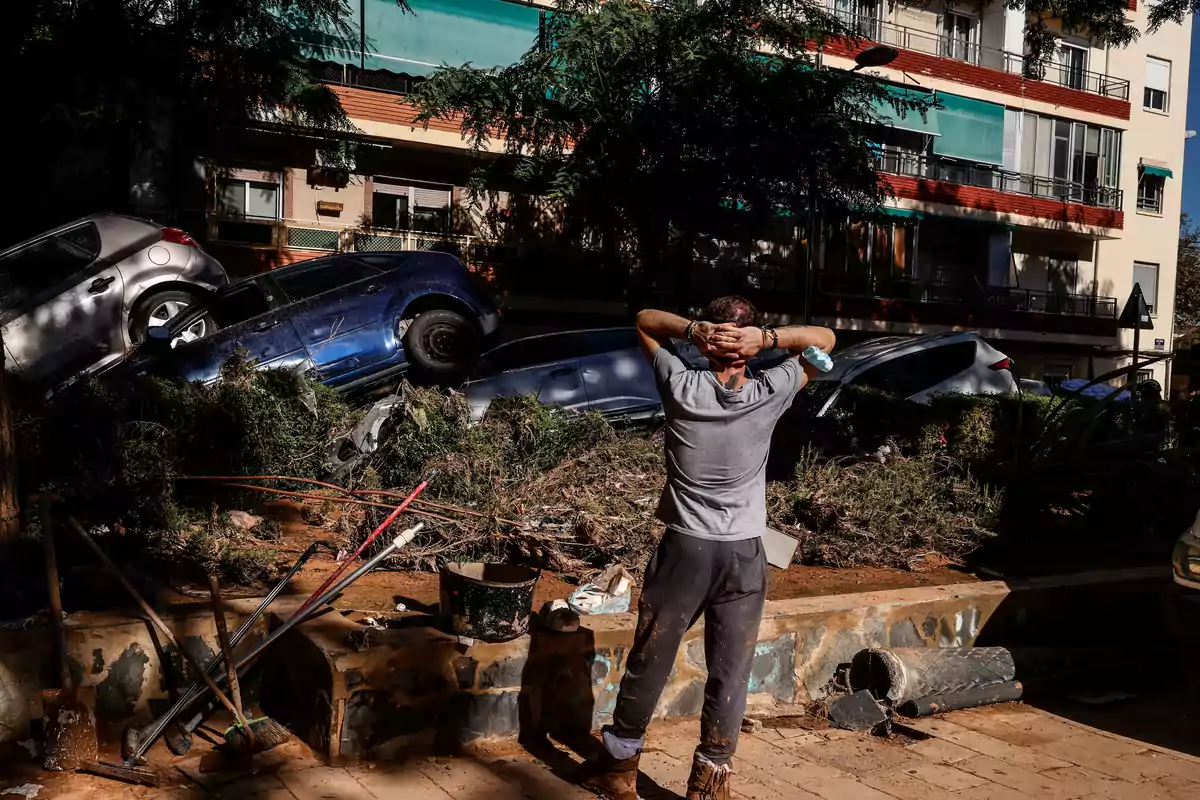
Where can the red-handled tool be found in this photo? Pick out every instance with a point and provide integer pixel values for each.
(362, 547)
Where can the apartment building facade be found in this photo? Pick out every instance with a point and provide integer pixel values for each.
(1026, 204)
(1031, 200)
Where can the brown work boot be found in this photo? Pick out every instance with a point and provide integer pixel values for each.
(610, 778)
(709, 781)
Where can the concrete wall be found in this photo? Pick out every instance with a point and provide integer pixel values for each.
(119, 656)
(406, 688)
(300, 200)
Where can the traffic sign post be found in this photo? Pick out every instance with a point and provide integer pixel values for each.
(1136, 317)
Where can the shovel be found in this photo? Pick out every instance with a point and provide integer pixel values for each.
(68, 722)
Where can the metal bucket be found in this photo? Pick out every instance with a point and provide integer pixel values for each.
(489, 602)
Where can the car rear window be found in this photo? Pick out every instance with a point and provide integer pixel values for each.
(919, 370)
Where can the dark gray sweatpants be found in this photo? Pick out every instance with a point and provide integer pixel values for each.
(687, 577)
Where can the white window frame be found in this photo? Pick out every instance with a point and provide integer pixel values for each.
(278, 184)
(1064, 69)
(952, 45)
(1157, 269)
(412, 187)
(1166, 93)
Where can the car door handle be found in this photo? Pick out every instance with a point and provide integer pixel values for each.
(265, 326)
(100, 284)
(561, 371)
(374, 288)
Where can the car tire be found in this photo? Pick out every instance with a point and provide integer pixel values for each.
(442, 346)
(153, 306)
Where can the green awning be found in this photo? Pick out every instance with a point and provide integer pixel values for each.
(885, 113)
(902, 213)
(971, 129)
(484, 33)
(1162, 172)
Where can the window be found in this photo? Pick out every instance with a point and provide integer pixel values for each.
(1058, 158)
(1146, 276)
(1158, 85)
(404, 207)
(1144, 375)
(915, 372)
(1072, 66)
(959, 42)
(862, 15)
(242, 199)
(320, 276)
(1150, 193)
(47, 262)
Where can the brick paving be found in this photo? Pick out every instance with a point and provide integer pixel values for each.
(1004, 753)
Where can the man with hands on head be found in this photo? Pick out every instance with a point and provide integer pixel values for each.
(710, 561)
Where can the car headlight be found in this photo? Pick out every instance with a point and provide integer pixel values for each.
(1186, 560)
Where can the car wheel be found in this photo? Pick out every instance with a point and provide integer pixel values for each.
(162, 307)
(442, 345)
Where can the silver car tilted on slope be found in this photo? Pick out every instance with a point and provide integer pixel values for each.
(75, 299)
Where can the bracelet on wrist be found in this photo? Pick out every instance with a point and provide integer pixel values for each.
(691, 329)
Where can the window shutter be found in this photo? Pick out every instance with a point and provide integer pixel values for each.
(390, 188)
(1158, 74)
(431, 198)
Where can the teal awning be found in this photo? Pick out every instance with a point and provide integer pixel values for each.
(885, 113)
(1162, 172)
(971, 129)
(903, 213)
(484, 33)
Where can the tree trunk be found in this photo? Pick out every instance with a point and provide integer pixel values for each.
(10, 512)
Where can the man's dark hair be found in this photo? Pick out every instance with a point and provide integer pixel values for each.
(732, 309)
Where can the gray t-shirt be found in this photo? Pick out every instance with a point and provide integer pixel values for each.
(717, 444)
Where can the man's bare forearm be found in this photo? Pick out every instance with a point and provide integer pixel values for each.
(662, 325)
(798, 337)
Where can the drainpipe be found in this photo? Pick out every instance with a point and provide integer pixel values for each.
(362, 35)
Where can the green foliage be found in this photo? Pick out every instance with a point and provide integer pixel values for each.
(647, 121)
(1187, 279)
(900, 513)
(519, 438)
(110, 83)
(113, 449)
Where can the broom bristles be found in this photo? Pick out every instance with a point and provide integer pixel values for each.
(267, 734)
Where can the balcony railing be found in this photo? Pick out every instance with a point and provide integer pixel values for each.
(987, 176)
(970, 297)
(971, 52)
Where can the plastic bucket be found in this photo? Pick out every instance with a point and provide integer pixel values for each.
(489, 602)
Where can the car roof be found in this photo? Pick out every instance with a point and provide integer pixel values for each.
(553, 334)
(100, 218)
(858, 357)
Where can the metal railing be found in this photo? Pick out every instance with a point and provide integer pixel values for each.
(972, 52)
(967, 294)
(987, 176)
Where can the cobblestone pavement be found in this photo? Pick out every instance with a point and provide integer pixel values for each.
(1004, 753)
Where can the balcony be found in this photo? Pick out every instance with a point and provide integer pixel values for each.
(970, 52)
(1049, 197)
(932, 302)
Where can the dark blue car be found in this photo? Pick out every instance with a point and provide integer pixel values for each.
(355, 320)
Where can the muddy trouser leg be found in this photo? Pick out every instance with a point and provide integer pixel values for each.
(678, 580)
(731, 619)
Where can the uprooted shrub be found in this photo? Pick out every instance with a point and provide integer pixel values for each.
(897, 512)
(114, 448)
(554, 488)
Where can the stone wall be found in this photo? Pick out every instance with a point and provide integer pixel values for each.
(401, 688)
(117, 656)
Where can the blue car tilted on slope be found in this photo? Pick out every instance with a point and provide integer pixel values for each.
(353, 320)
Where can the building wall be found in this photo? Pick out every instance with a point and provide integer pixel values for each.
(300, 199)
(1160, 137)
